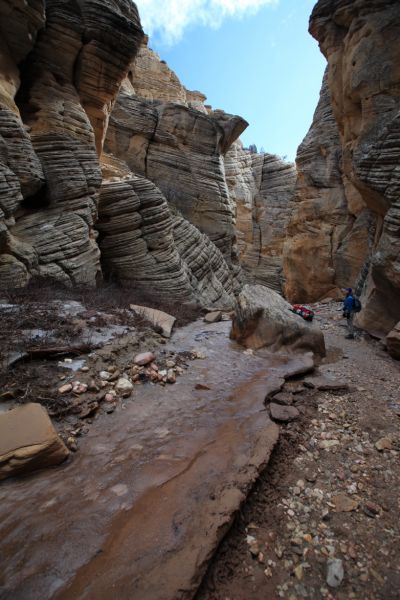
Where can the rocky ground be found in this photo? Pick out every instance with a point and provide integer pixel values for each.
(322, 521)
(73, 352)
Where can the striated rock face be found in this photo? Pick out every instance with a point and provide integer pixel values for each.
(110, 166)
(142, 243)
(328, 232)
(54, 109)
(181, 150)
(240, 201)
(360, 41)
(21, 174)
(262, 188)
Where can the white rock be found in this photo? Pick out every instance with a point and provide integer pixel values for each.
(335, 572)
(64, 389)
(123, 386)
(105, 375)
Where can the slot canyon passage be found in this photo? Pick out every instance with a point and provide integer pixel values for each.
(170, 428)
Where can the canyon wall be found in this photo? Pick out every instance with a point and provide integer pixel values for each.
(110, 167)
(261, 187)
(62, 65)
(329, 229)
(239, 200)
(347, 212)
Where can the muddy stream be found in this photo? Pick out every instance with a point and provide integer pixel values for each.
(138, 512)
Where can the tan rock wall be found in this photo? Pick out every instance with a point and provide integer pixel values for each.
(62, 64)
(181, 150)
(261, 187)
(328, 232)
(150, 78)
(161, 131)
(144, 244)
(361, 42)
(21, 174)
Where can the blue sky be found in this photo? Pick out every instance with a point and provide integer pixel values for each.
(254, 58)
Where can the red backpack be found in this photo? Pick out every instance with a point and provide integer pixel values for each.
(303, 311)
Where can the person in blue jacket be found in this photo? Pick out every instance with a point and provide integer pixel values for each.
(348, 312)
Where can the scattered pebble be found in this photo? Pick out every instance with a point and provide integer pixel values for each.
(123, 386)
(64, 389)
(335, 572)
(144, 358)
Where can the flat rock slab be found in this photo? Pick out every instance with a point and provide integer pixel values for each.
(325, 384)
(284, 398)
(294, 387)
(213, 317)
(157, 317)
(283, 414)
(301, 365)
(28, 441)
(344, 503)
(139, 511)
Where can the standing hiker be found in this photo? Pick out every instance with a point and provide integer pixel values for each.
(348, 312)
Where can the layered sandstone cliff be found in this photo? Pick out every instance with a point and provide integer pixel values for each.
(345, 227)
(188, 238)
(110, 167)
(166, 134)
(70, 212)
(150, 78)
(261, 186)
(62, 64)
(330, 228)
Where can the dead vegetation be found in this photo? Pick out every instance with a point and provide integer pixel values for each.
(45, 322)
(105, 297)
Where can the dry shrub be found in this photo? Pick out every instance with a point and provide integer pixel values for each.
(105, 297)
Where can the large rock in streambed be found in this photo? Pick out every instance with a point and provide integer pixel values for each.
(264, 319)
(28, 441)
(393, 342)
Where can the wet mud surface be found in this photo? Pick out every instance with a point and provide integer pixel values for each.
(138, 512)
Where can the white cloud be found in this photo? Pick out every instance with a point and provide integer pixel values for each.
(168, 19)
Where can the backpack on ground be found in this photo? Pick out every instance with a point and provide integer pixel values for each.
(303, 311)
(356, 305)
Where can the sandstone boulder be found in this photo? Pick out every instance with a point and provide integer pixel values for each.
(264, 319)
(28, 441)
(157, 317)
(144, 358)
(213, 317)
(393, 342)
